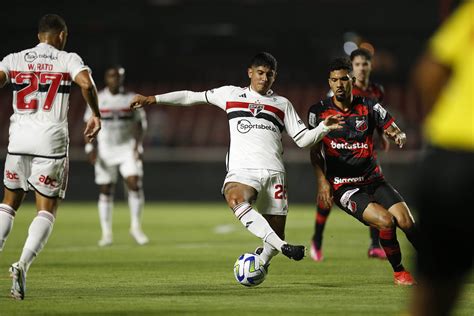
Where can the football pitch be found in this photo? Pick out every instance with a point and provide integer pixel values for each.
(187, 267)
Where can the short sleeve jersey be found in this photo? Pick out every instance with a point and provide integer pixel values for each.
(349, 152)
(374, 91)
(256, 123)
(116, 136)
(41, 80)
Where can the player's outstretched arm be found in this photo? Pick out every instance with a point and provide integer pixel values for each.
(324, 194)
(184, 98)
(308, 138)
(394, 133)
(89, 93)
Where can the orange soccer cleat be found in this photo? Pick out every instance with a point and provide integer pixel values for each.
(403, 278)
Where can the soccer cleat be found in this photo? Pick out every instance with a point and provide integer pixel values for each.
(293, 252)
(105, 241)
(18, 275)
(403, 278)
(139, 236)
(377, 252)
(316, 254)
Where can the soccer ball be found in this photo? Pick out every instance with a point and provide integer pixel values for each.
(249, 270)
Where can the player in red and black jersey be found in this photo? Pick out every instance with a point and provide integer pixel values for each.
(362, 66)
(347, 169)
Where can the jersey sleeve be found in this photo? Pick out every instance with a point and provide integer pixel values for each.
(313, 116)
(5, 67)
(219, 96)
(293, 123)
(382, 118)
(75, 65)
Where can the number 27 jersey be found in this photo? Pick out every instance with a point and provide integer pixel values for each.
(41, 80)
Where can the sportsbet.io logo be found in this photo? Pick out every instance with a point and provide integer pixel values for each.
(244, 126)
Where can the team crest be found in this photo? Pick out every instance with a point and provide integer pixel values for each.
(352, 206)
(361, 124)
(255, 108)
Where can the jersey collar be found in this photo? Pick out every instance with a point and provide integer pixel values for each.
(267, 94)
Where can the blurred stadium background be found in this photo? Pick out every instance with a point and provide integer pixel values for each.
(200, 44)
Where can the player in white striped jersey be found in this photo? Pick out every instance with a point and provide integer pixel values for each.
(255, 172)
(119, 149)
(37, 156)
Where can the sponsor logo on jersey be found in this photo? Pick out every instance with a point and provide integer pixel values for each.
(338, 180)
(312, 119)
(346, 200)
(30, 56)
(349, 146)
(50, 56)
(11, 175)
(46, 180)
(361, 124)
(256, 108)
(244, 126)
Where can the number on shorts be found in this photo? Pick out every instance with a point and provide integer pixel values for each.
(54, 79)
(280, 192)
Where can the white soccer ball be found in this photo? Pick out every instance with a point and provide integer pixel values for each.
(249, 270)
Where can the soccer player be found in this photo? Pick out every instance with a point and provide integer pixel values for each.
(256, 178)
(37, 156)
(445, 176)
(345, 162)
(119, 149)
(362, 86)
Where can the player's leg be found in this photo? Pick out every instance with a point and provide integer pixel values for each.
(15, 187)
(136, 201)
(105, 178)
(322, 214)
(375, 249)
(105, 206)
(12, 200)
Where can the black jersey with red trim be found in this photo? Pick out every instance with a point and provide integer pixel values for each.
(349, 152)
(374, 91)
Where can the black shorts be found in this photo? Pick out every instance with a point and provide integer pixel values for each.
(353, 199)
(444, 186)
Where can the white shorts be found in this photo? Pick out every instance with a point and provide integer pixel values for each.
(271, 187)
(108, 173)
(47, 176)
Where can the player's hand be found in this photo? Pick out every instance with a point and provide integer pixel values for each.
(139, 101)
(400, 139)
(92, 128)
(92, 156)
(334, 122)
(324, 196)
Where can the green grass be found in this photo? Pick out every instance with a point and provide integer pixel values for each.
(187, 267)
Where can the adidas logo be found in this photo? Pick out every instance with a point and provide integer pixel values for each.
(248, 224)
(243, 96)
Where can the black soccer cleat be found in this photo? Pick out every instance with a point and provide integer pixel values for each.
(293, 252)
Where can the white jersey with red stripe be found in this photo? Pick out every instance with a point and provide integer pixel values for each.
(41, 79)
(116, 138)
(256, 122)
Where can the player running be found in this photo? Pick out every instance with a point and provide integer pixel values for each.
(256, 178)
(37, 156)
(119, 149)
(346, 158)
(362, 86)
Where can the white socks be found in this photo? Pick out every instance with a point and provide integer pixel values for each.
(268, 252)
(105, 205)
(7, 215)
(135, 202)
(257, 224)
(38, 234)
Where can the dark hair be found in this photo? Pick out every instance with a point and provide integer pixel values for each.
(361, 52)
(51, 23)
(340, 63)
(264, 59)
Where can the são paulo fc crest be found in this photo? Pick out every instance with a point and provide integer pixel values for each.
(361, 124)
(256, 108)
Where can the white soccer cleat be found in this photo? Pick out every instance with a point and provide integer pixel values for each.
(105, 241)
(18, 275)
(139, 236)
